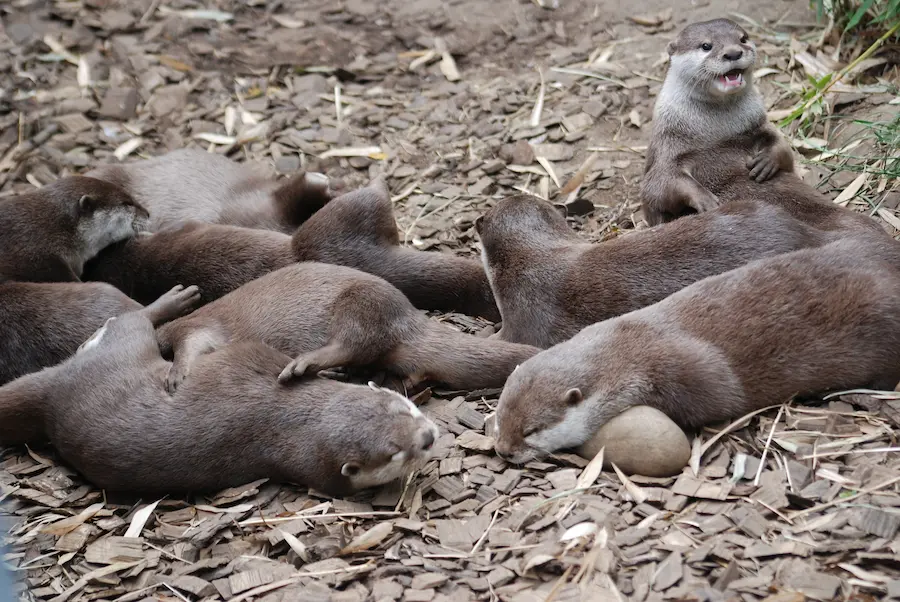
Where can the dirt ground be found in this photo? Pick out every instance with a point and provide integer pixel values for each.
(788, 504)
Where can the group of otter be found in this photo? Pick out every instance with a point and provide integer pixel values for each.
(165, 322)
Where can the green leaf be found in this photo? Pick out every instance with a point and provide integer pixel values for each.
(858, 15)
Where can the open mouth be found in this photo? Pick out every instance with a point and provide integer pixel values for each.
(732, 79)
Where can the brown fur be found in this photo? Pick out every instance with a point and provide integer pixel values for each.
(550, 283)
(358, 230)
(330, 316)
(802, 323)
(47, 235)
(193, 185)
(42, 324)
(216, 258)
(708, 148)
(108, 414)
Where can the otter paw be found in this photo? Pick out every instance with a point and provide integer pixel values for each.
(296, 369)
(174, 378)
(706, 202)
(762, 167)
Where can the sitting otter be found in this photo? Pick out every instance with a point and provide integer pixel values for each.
(107, 413)
(711, 142)
(193, 185)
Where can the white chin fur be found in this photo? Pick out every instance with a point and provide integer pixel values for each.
(573, 430)
(399, 466)
(726, 90)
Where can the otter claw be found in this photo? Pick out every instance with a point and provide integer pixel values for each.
(174, 378)
(293, 370)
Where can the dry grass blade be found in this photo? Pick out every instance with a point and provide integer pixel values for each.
(356, 151)
(578, 179)
(733, 426)
(126, 148)
(762, 460)
(548, 167)
(539, 103)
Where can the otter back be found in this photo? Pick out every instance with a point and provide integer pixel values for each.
(549, 284)
(358, 230)
(216, 258)
(193, 185)
(231, 423)
(42, 324)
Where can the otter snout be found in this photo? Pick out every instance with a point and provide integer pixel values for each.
(733, 53)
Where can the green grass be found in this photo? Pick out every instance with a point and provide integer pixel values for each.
(872, 17)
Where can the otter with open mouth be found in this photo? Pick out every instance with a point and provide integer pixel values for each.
(707, 99)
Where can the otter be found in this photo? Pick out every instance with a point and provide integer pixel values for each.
(549, 283)
(216, 258)
(107, 413)
(48, 234)
(711, 142)
(194, 185)
(358, 230)
(803, 323)
(330, 316)
(42, 324)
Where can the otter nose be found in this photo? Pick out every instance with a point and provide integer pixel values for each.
(733, 54)
(427, 440)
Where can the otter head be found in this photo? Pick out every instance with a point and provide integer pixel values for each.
(560, 397)
(519, 221)
(380, 438)
(100, 213)
(714, 58)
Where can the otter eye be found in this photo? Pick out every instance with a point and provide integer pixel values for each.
(706, 46)
(744, 39)
(530, 432)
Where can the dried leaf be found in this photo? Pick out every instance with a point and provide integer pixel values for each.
(370, 538)
(139, 520)
(352, 151)
(636, 493)
(296, 545)
(127, 147)
(67, 525)
(215, 138)
(850, 191)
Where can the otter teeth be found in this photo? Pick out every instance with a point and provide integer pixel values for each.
(732, 79)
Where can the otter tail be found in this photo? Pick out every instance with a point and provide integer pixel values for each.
(433, 280)
(298, 198)
(21, 415)
(459, 360)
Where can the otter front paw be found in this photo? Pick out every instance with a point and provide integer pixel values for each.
(763, 166)
(296, 369)
(175, 377)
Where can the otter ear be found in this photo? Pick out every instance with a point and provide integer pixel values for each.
(573, 396)
(86, 204)
(562, 209)
(479, 221)
(670, 48)
(350, 470)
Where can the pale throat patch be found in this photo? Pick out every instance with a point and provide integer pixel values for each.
(574, 429)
